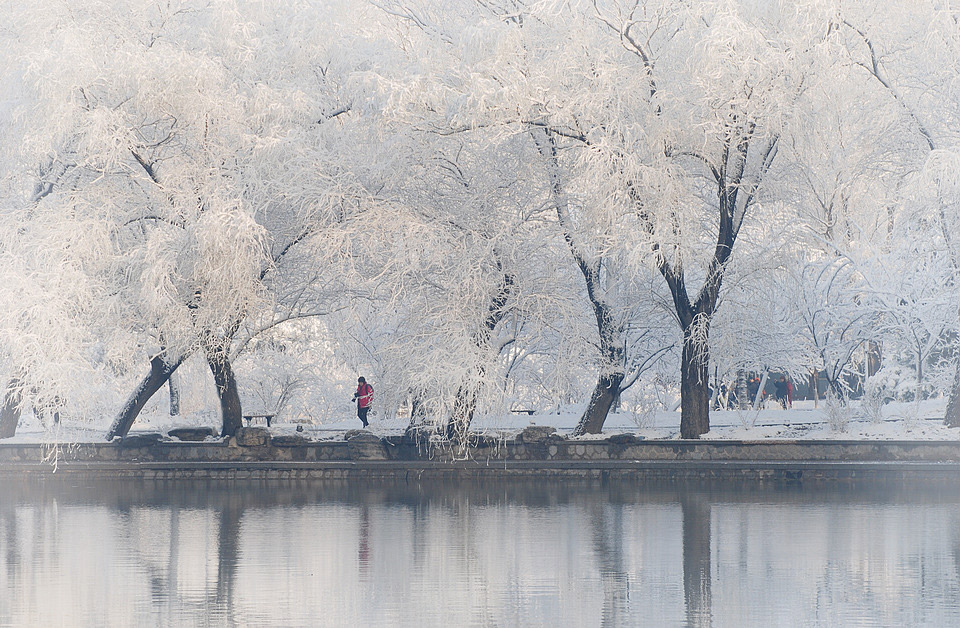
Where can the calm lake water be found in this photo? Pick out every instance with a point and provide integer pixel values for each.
(478, 554)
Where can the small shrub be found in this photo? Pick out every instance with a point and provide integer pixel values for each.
(643, 414)
(871, 407)
(747, 416)
(837, 413)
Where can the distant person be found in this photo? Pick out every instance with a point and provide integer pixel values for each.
(781, 391)
(789, 393)
(753, 387)
(363, 397)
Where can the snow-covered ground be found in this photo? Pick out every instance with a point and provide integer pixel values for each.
(900, 421)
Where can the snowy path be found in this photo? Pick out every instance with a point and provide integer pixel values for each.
(900, 422)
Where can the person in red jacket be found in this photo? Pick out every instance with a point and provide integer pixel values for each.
(363, 397)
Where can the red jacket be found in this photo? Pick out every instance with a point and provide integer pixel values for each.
(364, 395)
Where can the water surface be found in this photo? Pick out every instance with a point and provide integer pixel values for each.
(478, 554)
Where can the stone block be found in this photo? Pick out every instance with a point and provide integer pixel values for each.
(293, 440)
(193, 434)
(624, 439)
(253, 436)
(351, 434)
(536, 433)
(361, 436)
(141, 440)
(366, 446)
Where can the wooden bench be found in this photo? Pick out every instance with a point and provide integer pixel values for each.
(527, 412)
(250, 417)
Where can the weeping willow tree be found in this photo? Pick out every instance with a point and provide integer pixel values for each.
(178, 191)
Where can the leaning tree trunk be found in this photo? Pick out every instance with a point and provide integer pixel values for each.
(227, 391)
(952, 418)
(694, 388)
(607, 391)
(612, 371)
(10, 414)
(160, 371)
(602, 399)
(612, 352)
(465, 403)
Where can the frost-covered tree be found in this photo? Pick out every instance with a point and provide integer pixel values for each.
(910, 60)
(204, 172)
(484, 201)
(452, 271)
(673, 112)
(620, 297)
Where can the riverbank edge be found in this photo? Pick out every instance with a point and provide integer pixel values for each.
(256, 454)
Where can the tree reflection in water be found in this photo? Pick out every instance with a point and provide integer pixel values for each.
(491, 553)
(697, 575)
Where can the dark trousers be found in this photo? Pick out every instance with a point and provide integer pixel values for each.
(362, 413)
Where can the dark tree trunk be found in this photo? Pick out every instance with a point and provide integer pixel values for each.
(416, 431)
(604, 395)
(417, 413)
(874, 358)
(464, 407)
(694, 389)
(612, 370)
(160, 371)
(10, 414)
(952, 417)
(173, 384)
(617, 397)
(732, 208)
(227, 391)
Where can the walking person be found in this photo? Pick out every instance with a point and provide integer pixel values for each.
(364, 398)
(789, 393)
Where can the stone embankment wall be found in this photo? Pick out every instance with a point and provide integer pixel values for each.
(537, 451)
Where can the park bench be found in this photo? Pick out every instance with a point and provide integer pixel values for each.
(249, 418)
